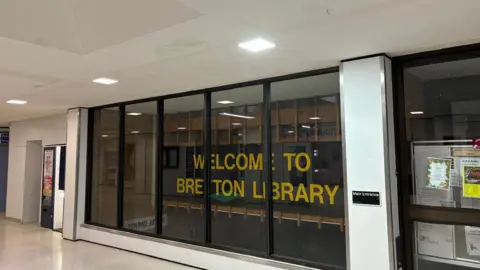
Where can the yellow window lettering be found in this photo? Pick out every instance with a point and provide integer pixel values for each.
(301, 193)
(287, 189)
(239, 189)
(217, 163)
(245, 162)
(255, 193)
(212, 161)
(198, 161)
(198, 186)
(255, 164)
(276, 190)
(289, 157)
(226, 163)
(316, 191)
(331, 193)
(227, 188)
(180, 185)
(217, 185)
(299, 166)
(189, 183)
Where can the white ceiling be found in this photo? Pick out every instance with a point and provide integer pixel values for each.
(50, 50)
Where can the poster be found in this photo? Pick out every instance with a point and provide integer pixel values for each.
(48, 173)
(435, 240)
(471, 181)
(472, 239)
(438, 173)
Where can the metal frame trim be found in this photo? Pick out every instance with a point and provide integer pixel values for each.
(344, 161)
(267, 161)
(121, 168)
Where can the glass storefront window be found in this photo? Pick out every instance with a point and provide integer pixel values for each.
(443, 113)
(442, 125)
(307, 171)
(104, 179)
(183, 169)
(238, 205)
(139, 167)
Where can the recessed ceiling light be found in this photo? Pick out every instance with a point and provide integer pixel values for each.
(305, 126)
(315, 118)
(17, 102)
(107, 81)
(416, 112)
(181, 128)
(135, 132)
(225, 102)
(105, 136)
(256, 45)
(237, 115)
(291, 131)
(134, 113)
(236, 124)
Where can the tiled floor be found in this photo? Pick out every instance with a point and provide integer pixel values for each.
(31, 247)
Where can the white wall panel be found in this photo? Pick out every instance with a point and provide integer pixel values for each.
(364, 93)
(75, 171)
(49, 130)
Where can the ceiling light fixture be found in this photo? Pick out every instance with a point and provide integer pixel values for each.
(237, 115)
(315, 118)
(134, 113)
(291, 131)
(17, 102)
(225, 102)
(106, 81)
(256, 45)
(105, 136)
(135, 132)
(236, 124)
(305, 126)
(181, 128)
(416, 112)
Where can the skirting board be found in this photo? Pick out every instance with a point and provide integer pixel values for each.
(205, 258)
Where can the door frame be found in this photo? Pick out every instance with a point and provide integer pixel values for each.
(411, 213)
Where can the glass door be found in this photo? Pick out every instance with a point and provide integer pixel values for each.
(438, 98)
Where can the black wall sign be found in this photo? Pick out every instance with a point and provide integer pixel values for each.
(366, 197)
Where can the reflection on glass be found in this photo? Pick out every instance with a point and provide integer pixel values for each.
(105, 167)
(238, 203)
(443, 116)
(183, 171)
(139, 167)
(307, 171)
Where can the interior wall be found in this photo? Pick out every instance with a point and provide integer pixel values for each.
(59, 194)
(32, 184)
(49, 130)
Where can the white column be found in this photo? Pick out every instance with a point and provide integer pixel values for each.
(75, 172)
(368, 137)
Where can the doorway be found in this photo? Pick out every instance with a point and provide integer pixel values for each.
(438, 122)
(53, 186)
(3, 176)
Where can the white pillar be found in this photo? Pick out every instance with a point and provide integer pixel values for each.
(368, 137)
(75, 172)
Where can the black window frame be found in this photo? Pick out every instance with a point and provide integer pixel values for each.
(266, 152)
(411, 213)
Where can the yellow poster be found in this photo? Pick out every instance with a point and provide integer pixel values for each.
(471, 181)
